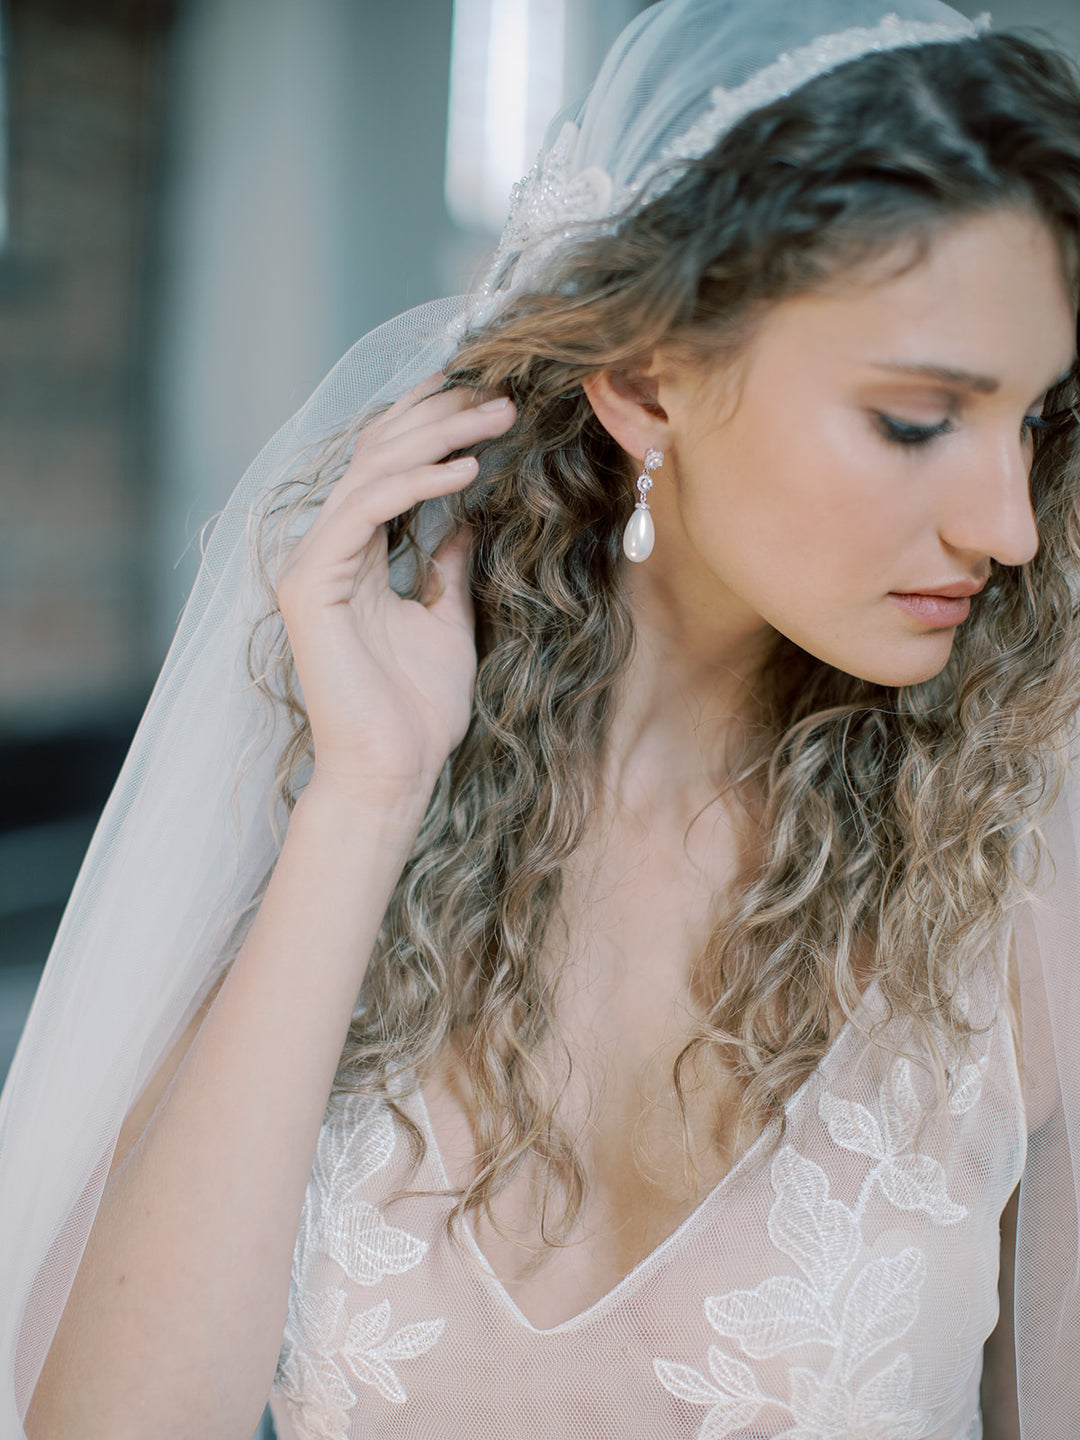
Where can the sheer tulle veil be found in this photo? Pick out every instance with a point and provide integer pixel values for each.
(188, 835)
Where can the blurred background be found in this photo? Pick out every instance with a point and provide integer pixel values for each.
(203, 203)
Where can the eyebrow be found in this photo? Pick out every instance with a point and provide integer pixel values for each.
(965, 379)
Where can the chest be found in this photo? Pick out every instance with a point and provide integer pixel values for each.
(646, 1164)
(840, 1279)
(649, 1152)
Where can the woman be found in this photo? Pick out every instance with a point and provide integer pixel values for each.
(671, 974)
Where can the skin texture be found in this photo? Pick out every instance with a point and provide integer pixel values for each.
(781, 503)
(781, 506)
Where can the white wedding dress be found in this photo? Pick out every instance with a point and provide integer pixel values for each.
(839, 1284)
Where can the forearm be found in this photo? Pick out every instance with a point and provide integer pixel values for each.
(176, 1316)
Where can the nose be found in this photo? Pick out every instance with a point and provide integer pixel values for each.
(991, 513)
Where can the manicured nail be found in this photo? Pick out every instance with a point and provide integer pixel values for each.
(500, 404)
(465, 466)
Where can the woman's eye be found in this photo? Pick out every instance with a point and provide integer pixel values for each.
(902, 432)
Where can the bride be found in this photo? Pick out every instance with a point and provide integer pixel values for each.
(636, 1012)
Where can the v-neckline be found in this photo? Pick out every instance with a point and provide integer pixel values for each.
(649, 1261)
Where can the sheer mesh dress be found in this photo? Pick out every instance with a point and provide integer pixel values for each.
(838, 1283)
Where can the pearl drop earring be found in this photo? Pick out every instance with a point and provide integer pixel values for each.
(640, 534)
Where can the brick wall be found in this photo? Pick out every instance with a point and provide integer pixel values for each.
(84, 87)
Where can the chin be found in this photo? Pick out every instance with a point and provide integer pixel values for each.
(911, 664)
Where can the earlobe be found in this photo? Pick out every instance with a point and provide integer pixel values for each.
(627, 405)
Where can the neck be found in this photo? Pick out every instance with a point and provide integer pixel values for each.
(688, 691)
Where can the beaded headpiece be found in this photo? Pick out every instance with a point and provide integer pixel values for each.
(564, 191)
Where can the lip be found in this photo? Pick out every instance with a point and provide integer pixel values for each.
(951, 590)
(940, 606)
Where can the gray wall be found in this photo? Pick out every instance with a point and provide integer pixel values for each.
(305, 207)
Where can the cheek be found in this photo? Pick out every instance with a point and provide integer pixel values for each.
(823, 507)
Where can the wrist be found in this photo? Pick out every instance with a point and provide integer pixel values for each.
(391, 810)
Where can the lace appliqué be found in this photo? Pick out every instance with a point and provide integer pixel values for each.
(328, 1351)
(795, 67)
(855, 1311)
(545, 207)
(552, 200)
(552, 197)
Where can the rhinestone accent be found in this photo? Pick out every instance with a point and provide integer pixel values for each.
(795, 67)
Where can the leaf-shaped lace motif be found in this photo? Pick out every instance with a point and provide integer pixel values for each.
(967, 1087)
(781, 1312)
(820, 1235)
(886, 1396)
(908, 1181)
(881, 1305)
(734, 1398)
(354, 1145)
(326, 1355)
(369, 1354)
(852, 1126)
(878, 1411)
(818, 1405)
(308, 1376)
(900, 1107)
(367, 1248)
(917, 1182)
(851, 1311)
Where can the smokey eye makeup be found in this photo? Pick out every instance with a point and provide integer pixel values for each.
(903, 432)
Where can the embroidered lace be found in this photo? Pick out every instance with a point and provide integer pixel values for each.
(840, 1284)
(562, 191)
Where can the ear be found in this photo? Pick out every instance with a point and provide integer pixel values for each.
(627, 404)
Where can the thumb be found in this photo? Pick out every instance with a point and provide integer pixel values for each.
(447, 592)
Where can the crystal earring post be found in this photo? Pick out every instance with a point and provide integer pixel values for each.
(640, 534)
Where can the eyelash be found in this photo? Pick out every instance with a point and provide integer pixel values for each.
(899, 432)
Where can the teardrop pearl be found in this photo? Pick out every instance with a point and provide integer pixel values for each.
(639, 536)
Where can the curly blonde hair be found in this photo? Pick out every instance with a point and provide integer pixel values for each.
(891, 816)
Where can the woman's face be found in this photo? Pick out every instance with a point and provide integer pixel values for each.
(874, 446)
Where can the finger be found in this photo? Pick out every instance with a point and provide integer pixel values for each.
(416, 450)
(343, 533)
(447, 593)
(430, 385)
(427, 402)
(428, 443)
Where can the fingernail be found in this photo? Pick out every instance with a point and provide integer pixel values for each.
(465, 466)
(500, 404)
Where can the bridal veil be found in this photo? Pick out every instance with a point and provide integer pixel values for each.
(187, 836)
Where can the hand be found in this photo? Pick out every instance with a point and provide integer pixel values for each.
(388, 682)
